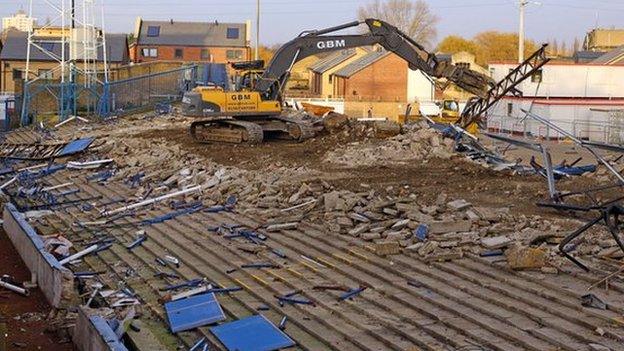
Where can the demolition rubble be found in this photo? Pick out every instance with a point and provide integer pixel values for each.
(145, 224)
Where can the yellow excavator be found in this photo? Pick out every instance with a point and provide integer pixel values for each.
(253, 110)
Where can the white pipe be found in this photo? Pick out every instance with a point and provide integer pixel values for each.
(299, 206)
(79, 254)
(54, 187)
(189, 293)
(14, 288)
(8, 183)
(151, 201)
(87, 165)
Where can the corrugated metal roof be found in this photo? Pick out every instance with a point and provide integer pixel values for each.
(192, 34)
(361, 63)
(332, 61)
(16, 44)
(612, 57)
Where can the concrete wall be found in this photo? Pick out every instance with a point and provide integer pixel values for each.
(55, 281)
(379, 109)
(92, 333)
(419, 86)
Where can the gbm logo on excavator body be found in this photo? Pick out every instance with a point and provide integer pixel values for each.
(331, 44)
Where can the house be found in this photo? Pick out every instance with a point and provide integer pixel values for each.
(600, 39)
(299, 81)
(382, 76)
(461, 59)
(19, 21)
(585, 56)
(191, 41)
(14, 51)
(570, 95)
(380, 84)
(321, 73)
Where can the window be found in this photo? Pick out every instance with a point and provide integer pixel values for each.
(509, 109)
(331, 78)
(45, 74)
(17, 74)
(205, 54)
(464, 65)
(537, 76)
(234, 54)
(153, 31)
(179, 53)
(149, 52)
(233, 33)
(492, 70)
(47, 46)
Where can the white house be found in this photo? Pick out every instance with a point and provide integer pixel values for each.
(584, 99)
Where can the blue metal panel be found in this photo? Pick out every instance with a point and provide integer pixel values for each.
(75, 146)
(193, 312)
(255, 333)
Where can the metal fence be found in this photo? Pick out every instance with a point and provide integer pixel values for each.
(133, 94)
(7, 110)
(606, 130)
(51, 99)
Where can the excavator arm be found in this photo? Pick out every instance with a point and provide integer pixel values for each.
(388, 36)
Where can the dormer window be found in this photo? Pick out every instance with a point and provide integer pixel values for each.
(153, 31)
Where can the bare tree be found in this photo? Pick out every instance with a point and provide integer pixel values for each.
(415, 18)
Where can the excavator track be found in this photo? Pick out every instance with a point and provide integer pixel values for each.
(297, 129)
(226, 130)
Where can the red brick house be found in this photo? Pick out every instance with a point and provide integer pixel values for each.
(381, 76)
(190, 41)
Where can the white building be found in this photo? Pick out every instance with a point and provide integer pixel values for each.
(584, 99)
(19, 21)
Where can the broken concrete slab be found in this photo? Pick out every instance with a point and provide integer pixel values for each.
(496, 242)
(441, 227)
(522, 257)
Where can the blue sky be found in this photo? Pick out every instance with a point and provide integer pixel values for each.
(284, 19)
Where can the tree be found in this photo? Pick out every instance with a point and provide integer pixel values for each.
(576, 46)
(266, 52)
(455, 43)
(497, 46)
(555, 48)
(563, 50)
(415, 18)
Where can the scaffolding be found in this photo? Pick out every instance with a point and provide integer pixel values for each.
(78, 48)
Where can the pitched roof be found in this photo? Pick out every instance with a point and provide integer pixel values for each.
(586, 56)
(361, 63)
(612, 57)
(191, 34)
(16, 45)
(332, 61)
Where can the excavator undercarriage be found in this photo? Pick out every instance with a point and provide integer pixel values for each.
(250, 131)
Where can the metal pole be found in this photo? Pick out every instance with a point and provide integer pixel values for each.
(257, 53)
(523, 4)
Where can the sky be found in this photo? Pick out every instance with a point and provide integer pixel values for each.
(282, 20)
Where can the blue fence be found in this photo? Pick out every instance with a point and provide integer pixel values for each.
(43, 98)
(129, 95)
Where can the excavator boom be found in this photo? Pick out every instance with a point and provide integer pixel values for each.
(388, 36)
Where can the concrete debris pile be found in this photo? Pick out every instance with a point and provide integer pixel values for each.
(415, 144)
